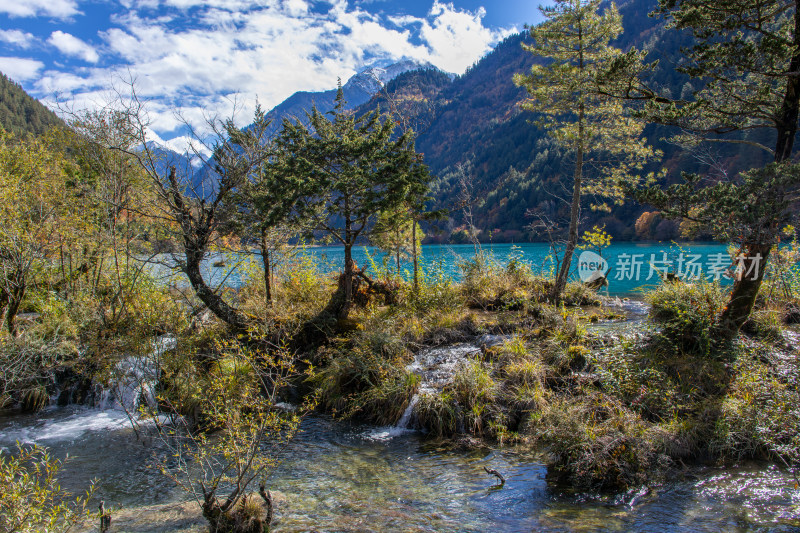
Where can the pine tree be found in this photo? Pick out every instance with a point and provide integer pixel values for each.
(346, 170)
(746, 61)
(605, 141)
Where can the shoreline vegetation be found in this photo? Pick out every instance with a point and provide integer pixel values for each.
(610, 408)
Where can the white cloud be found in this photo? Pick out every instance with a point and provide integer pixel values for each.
(19, 68)
(70, 45)
(17, 38)
(60, 9)
(194, 56)
(185, 144)
(296, 8)
(455, 39)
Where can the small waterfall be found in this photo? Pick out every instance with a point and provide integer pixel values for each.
(136, 379)
(405, 420)
(134, 385)
(436, 368)
(108, 408)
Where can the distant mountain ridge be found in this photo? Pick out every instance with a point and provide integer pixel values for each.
(473, 130)
(358, 90)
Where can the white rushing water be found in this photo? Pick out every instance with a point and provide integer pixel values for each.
(436, 368)
(133, 385)
(63, 425)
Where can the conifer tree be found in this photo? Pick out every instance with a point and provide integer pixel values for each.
(746, 64)
(346, 170)
(605, 141)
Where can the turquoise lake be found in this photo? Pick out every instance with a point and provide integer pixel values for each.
(633, 266)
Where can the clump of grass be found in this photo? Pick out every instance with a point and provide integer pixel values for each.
(765, 324)
(686, 313)
(474, 390)
(365, 376)
(528, 372)
(595, 443)
(385, 403)
(488, 285)
(439, 413)
(576, 294)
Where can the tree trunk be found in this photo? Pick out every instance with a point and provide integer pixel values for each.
(414, 253)
(349, 273)
(397, 259)
(3, 304)
(744, 292)
(574, 215)
(267, 497)
(349, 270)
(14, 301)
(195, 241)
(267, 268)
(212, 300)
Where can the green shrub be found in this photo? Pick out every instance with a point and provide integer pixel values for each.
(27, 363)
(686, 313)
(33, 500)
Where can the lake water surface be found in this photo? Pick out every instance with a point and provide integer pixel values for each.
(633, 266)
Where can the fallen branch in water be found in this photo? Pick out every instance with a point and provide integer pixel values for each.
(494, 472)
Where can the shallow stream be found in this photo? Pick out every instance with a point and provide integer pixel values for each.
(339, 477)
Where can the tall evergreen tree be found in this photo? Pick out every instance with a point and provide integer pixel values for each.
(347, 170)
(266, 215)
(606, 142)
(746, 63)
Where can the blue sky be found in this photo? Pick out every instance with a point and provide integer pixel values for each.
(194, 57)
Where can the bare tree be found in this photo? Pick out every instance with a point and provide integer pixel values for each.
(194, 191)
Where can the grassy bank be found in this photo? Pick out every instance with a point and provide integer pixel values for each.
(610, 408)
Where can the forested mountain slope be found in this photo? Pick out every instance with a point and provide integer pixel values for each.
(473, 131)
(20, 113)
